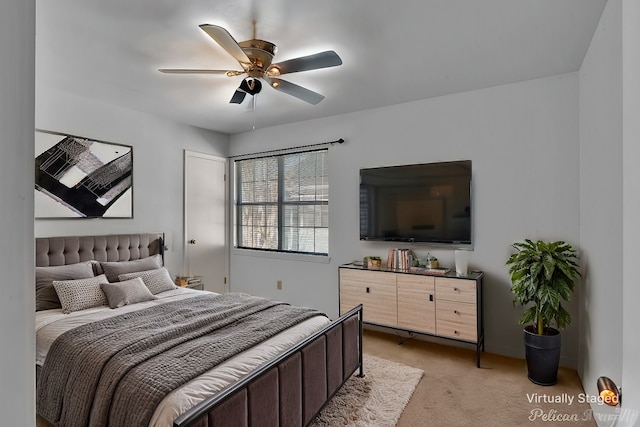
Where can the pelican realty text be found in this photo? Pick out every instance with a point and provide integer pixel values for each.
(564, 398)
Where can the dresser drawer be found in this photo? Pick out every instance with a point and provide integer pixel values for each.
(375, 290)
(366, 277)
(459, 290)
(416, 303)
(456, 320)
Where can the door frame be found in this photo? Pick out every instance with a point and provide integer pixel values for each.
(186, 155)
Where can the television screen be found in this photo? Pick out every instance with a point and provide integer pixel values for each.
(428, 202)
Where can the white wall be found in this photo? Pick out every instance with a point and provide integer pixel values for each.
(158, 146)
(631, 210)
(601, 202)
(609, 209)
(523, 141)
(17, 373)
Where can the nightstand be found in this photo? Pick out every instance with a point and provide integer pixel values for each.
(193, 282)
(198, 286)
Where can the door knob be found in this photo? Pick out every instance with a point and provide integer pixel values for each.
(192, 241)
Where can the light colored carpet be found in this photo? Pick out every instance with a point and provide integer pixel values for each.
(377, 399)
(455, 393)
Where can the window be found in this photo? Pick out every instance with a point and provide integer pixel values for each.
(282, 203)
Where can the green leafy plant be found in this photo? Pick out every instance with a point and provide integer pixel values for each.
(543, 274)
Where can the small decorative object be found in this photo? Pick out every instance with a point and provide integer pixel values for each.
(462, 262)
(431, 261)
(185, 281)
(374, 262)
(181, 281)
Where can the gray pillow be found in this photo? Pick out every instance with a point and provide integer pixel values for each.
(46, 297)
(80, 294)
(126, 292)
(157, 280)
(113, 269)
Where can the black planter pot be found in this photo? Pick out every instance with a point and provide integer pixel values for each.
(543, 355)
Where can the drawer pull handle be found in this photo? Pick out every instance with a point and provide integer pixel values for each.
(430, 297)
(455, 289)
(456, 332)
(368, 289)
(455, 311)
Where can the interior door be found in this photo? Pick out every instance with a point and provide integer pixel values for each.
(205, 222)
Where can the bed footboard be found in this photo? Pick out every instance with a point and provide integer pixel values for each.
(293, 388)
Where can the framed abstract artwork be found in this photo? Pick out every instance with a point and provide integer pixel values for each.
(79, 177)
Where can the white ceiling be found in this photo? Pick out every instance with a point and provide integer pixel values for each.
(392, 51)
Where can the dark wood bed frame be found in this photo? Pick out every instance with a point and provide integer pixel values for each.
(288, 391)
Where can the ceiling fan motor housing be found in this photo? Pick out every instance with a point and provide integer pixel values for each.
(261, 53)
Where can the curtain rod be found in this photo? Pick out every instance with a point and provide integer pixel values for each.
(328, 143)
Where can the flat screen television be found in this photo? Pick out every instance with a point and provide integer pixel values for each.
(428, 202)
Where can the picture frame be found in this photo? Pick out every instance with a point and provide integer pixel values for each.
(79, 177)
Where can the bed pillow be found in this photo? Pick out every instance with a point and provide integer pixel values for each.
(113, 269)
(80, 294)
(157, 280)
(126, 292)
(46, 296)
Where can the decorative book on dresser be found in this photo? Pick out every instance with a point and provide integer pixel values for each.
(440, 304)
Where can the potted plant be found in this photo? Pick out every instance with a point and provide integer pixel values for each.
(431, 261)
(543, 275)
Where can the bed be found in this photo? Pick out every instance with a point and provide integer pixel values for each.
(282, 375)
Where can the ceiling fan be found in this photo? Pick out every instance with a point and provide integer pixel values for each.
(255, 56)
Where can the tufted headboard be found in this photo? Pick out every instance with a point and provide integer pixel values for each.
(52, 251)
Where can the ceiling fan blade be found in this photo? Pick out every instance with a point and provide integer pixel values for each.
(194, 71)
(311, 62)
(238, 97)
(295, 90)
(227, 42)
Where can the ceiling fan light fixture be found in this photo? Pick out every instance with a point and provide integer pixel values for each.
(273, 71)
(251, 86)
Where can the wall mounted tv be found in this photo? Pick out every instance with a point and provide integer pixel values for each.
(428, 203)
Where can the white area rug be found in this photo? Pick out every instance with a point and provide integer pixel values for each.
(377, 400)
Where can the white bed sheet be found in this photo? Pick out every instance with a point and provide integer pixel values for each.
(52, 323)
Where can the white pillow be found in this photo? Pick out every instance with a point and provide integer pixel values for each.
(127, 292)
(80, 294)
(157, 280)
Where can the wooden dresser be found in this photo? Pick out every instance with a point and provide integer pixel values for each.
(442, 305)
